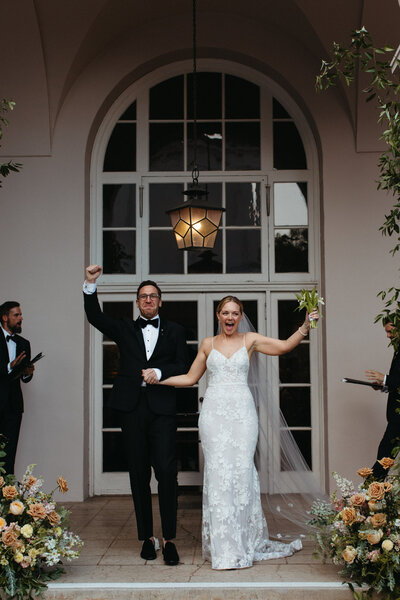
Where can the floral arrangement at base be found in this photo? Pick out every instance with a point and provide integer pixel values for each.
(361, 531)
(34, 537)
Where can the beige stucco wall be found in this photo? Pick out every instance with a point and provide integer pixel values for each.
(44, 242)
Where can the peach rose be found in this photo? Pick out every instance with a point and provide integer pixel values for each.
(376, 490)
(374, 537)
(10, 538)
(349, 515)
(378, 520)
(1, 481)
(357, 499)
(364, 472)
(37, 511)
(349, 554)
(62, 484)
(10, 492)
(31, 481)
(53, 517)
(17, 507)
(386, 462)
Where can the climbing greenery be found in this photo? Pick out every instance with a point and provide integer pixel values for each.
(383, 88)
(8, 167)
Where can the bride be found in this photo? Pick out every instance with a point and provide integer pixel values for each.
(234, 528)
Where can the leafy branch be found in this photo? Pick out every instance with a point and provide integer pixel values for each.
(6, 168)
(384, 88)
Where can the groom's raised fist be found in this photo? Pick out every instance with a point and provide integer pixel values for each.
(92, 273)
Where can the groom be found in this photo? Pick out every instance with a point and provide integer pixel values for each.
(147, 413)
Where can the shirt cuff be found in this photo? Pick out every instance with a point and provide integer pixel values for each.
(89, 288)
(158, 373)
(9, 369)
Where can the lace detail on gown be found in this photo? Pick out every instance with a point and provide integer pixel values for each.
(234, 531)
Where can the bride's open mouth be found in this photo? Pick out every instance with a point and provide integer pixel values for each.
(229, 326)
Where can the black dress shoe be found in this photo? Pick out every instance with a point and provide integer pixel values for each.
(171, 557)
(148, 550)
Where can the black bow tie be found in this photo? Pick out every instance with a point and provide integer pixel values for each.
(144, 322)
(10, 337)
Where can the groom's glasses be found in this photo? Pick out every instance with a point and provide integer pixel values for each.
(145, 296)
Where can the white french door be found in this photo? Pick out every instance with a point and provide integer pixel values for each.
(293, 384)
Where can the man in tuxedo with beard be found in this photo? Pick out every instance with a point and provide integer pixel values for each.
(391, 384)
(15, 354)
(146, 413)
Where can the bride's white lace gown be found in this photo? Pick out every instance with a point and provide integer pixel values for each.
(235, 531)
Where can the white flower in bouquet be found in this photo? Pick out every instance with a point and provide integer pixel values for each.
(310, 300)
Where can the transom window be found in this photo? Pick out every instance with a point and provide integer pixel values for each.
(252, 161)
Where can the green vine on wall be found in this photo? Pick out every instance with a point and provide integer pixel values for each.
(383, 88)
(6, 168)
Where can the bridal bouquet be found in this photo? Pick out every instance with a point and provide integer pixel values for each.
(360, 531)
(310, 301)
(34, 537)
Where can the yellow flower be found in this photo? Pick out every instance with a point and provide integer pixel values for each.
(27, 531)
(3, 561)
(17, 507)
(18, 557)
(387, 545)
(349, 554)
(58, 531)
(3, 523)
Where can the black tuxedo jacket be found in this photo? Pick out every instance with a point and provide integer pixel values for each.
(170, 356)
(11, 398)
(393, 384)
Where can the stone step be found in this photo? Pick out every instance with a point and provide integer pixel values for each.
(301, 590)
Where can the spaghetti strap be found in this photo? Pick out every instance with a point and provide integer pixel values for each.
(244, 339)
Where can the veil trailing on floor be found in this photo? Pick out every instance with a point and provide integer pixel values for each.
(288, 500)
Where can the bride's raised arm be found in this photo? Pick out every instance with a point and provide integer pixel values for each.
(196, 370)
(276, 347)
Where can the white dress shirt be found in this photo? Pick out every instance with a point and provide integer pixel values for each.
(12, 349)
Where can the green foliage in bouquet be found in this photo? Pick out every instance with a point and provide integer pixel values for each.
(34, 537)
(309, 300)
(360, 531)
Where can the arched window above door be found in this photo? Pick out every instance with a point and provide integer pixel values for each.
(252, 159)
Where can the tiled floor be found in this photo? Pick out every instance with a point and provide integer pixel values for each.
(111, 550)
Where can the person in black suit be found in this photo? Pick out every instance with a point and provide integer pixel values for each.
(391, 384)
(15, 354)
(147, 412)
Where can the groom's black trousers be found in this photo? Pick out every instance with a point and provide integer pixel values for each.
(150, 441)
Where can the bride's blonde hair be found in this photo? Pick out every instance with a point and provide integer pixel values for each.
(227, 299)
